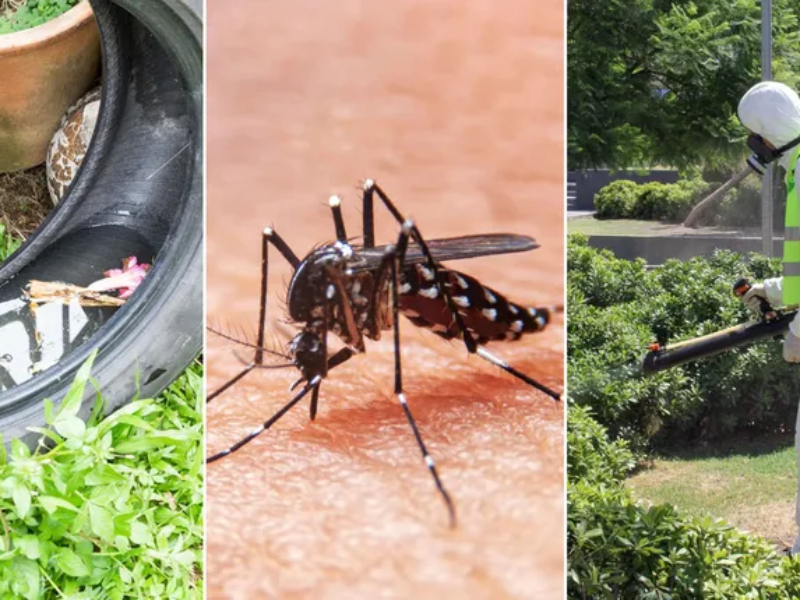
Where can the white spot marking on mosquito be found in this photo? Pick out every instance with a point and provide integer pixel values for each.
(425, 272)
(517, 326)
(334, 201)
(256, 431)
(355, 294)
(490, 297)
(514, 310)
(404, 288)
(330, 292)
(407, 226)
(461, 301)
(345, 249)
(362, 319)
(532, 312)
(369, 184)
(540, 321)
(489, 313)
(431, 292)
(268, 231)
(461, 282)
(402, 398)
(429, 461)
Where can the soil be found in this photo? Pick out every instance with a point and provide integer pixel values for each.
(456, 109)
(24, 200)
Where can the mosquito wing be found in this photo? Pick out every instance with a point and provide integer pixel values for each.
(467, 246)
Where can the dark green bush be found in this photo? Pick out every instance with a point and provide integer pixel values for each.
(652, 200)
(620, 549)
(616, 308)
(616, 200)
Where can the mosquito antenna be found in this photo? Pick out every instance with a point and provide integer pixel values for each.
(261, 366)
(245, 343)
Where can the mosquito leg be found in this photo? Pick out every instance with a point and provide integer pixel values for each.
(414, 233)
(469, 341)
(368, 214)
(486, 355)
(338, 220)
(311, 385)
(393, 256)
(268, 237)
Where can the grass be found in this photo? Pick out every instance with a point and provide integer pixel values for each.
(114, 509)
(751, 485)
(8, 243)
(588, 225)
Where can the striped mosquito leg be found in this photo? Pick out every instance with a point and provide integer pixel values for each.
(469, 341)
(338, 220)
(485, 354)
(311, 385)
(368, 213)
(268, 237)
(394, 256)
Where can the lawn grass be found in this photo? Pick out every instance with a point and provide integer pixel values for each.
(588, 225)
(114, 509)
(751, 485)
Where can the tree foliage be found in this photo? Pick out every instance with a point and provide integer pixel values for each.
(657, 81)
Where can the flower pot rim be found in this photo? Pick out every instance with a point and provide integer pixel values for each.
(47, 33)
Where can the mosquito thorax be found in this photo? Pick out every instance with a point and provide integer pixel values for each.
(306, 294)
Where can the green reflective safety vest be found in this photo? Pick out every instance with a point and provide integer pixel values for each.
(791, 240)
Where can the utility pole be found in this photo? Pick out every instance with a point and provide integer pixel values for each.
(766, 180)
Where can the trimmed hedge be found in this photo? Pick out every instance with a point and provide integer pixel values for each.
(624, 199)
(616, 200)
(616, 308)
(620, 549)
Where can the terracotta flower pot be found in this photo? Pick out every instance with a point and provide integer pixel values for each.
(43, 70)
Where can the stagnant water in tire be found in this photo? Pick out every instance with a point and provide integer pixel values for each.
(34, 339)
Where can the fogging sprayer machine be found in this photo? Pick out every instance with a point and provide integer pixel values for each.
(773, 323)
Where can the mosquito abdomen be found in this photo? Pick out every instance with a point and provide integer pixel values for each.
(486, 313)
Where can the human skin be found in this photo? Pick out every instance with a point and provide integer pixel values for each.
(456, 109)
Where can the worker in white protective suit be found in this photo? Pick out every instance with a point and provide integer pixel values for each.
(771, 111)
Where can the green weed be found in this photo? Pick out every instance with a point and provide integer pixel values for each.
(114, 509)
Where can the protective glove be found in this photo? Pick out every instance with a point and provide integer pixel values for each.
(770, 290)
(754, 297)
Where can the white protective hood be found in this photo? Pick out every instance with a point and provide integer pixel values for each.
(772, 110)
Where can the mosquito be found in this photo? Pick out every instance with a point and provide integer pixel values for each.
(357, 292)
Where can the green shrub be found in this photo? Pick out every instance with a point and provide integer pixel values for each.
(33, 13)
(615, 201)
(672, 202)
(616, 308)
(651, 201)
(620, 549)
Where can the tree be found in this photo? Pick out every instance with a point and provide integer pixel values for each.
(658, 82)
